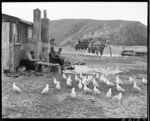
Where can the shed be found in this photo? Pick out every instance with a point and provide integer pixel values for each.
(16, 35)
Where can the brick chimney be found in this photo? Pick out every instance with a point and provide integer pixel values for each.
(37, 30)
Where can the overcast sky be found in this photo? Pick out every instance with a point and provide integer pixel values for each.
(134, 11)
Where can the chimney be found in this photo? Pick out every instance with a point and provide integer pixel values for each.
(37, 30)
(45, 14)
(45, 37)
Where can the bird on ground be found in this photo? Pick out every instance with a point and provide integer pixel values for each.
(136, 87)
(95, 83)
(58, 85)
(109, 93)
(70, 78)
(73, 93)
(96, 91)
(76, 78)
(131, 79)
(81, 76)
(89, 78)
(118, 97)
(55, 81)
(118, 80)
(86, 89)
(80, 85)
(68, 82)
(16, 88)
(46, 89)
(84, 80)
(109, 83)
(97, 75)
(64, 76)
(103, 78)
(119, 88)
(144, 80)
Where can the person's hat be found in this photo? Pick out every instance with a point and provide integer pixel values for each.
(51, 47)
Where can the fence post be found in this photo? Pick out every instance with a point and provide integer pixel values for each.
(110, 50)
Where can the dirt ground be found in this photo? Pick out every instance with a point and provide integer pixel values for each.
(30, 103)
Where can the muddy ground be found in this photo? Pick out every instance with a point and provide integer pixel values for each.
(58, 103)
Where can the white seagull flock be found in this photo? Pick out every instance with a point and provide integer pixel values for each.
(84, 81)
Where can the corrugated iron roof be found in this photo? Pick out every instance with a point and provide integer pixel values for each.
(26, 22)
(16, 19)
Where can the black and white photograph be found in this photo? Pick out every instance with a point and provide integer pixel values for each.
(72, 60)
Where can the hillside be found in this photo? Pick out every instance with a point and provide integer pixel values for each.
(68, 31)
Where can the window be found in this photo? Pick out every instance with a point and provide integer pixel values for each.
(15, 35)
(30, 32)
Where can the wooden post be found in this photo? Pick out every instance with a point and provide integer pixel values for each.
(109, 45)
(110, 50)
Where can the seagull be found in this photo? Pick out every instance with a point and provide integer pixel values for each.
(46, 89)
(89, 78)
(70, 78)
(97, 76)
(68, 82)
(73, 93)
(86, 88)
(58, 85)
(76, 78)
(55, 81)
(118, 97)
(109, 93)
(136, 87)
(131, 79)
(118, 81)
(80, 85)
(96, 91)
(95, 83)
(103, 78)
(64, 76)
(144, 80)
(84, 80)
(119, 88)
(81, 76)
(16, 88)
(109, 83)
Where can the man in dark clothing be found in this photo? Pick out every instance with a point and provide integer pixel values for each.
(55, 58)
(30, 62)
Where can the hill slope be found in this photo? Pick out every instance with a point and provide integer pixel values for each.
(68, 31)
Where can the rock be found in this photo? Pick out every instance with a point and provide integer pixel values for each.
(21, 68)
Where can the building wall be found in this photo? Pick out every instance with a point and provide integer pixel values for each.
(14, 40)
(11, 47)
(18, 38)
(5, 45)
(30, 32)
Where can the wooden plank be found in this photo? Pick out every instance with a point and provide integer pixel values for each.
(11, 47)
(16, 56)
(5, 45)
(23, 33)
